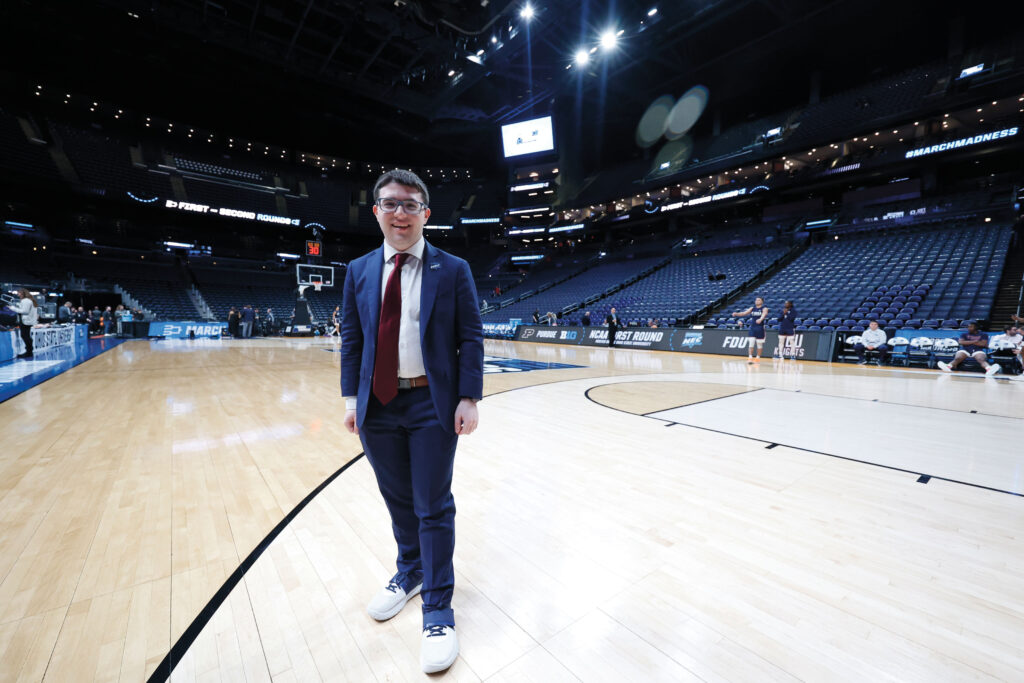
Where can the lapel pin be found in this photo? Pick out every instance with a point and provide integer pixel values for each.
(435, 266)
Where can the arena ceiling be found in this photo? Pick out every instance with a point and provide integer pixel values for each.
(429, 81)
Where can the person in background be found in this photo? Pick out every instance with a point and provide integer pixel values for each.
(872, 339)
(335, 322)
(586, 319)
(28, 315)
(536, 317)
(758, 314)
(81, 317)
(552, 319)
(973, 343)
(233, 322)
(108, 320)
(65, 314)
(257, 322)
(270, 321)
(119, 314)
(248, 316)
(613, 322)
(1011, 343)
(787, 330)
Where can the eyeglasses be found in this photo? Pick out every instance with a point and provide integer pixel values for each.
(410, 206)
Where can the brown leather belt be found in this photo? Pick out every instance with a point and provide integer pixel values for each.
(412, 382)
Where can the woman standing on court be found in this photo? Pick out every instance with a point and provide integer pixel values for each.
(758, 313)
(787, 328)
(27, 317)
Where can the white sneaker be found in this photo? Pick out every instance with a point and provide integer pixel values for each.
(390, 601)
(992, 369)
(944, 366)
(438, 649)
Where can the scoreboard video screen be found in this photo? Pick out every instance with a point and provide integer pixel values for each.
(528, 137)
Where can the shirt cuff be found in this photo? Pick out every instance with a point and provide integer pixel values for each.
(351, 402)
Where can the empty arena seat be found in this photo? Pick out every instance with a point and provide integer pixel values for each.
(841, 278)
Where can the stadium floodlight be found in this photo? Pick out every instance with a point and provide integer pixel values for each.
(582, 57)
(608, 40)
(651, 12)
(526, 12)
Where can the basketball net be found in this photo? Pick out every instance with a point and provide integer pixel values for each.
(317, 286)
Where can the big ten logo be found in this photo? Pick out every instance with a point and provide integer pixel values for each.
(733, 342)
(568, 334)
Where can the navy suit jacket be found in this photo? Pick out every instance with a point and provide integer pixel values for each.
(451, 336)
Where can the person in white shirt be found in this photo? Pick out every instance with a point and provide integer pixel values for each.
(28, 316)
(872, 339)
(1012, 341)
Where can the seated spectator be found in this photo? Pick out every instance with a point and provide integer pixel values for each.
(586, 319)
(872, 339)
(1011, 341)
(973, 343)
(652, 323)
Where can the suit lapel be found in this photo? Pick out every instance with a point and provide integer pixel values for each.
(428, 285)
(374, 273)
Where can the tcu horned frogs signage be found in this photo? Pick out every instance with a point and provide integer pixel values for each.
(809, 345)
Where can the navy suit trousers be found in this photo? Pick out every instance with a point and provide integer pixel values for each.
(412, 456)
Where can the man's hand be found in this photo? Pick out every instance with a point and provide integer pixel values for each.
(466, 417)
(350, 422)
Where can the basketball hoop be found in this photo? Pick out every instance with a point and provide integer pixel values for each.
(317, 286)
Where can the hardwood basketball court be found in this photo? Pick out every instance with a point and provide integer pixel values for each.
(177, 507)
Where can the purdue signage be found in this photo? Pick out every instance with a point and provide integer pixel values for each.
(808, 345)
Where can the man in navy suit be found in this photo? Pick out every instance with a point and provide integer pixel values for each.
(411, 374)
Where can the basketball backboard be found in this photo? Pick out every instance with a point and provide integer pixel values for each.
(308, 274)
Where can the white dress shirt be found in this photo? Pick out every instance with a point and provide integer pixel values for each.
(410, 353)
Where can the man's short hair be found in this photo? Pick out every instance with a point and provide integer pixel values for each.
(407, 178)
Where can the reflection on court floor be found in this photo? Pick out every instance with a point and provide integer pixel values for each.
(956, 445)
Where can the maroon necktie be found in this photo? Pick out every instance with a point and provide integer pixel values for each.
(385, 366)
